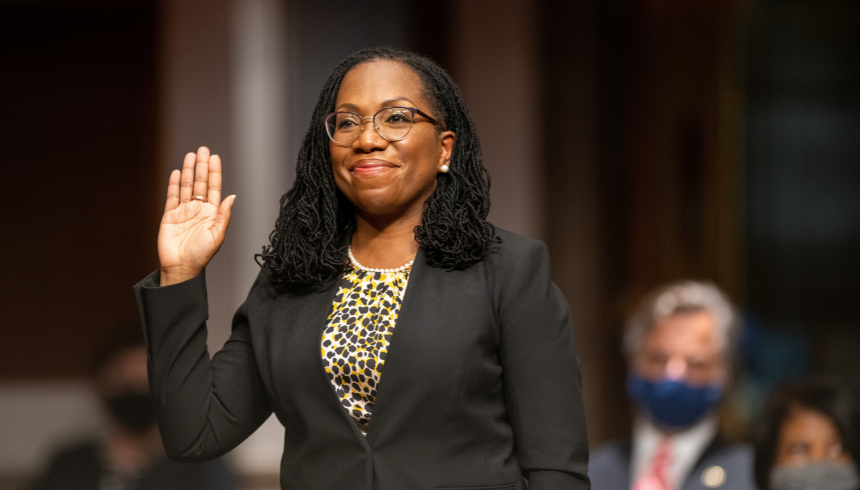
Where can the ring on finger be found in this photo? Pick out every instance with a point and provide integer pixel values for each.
(198, 198)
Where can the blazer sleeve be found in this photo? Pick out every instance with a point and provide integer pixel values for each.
(541, 376)
(204, 407)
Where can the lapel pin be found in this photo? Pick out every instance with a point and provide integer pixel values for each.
(714, 477)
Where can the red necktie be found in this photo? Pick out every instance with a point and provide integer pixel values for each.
(657, 475)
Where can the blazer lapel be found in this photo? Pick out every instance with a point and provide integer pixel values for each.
(297, 349)
(407, 333)
(694, 476)
(308, 313)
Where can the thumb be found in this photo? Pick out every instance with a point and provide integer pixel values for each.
(222, 217)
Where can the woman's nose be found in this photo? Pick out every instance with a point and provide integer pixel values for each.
(369, 137)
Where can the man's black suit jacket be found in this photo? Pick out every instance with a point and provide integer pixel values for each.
(480, 387)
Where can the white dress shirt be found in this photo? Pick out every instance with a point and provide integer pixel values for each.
(687, 447)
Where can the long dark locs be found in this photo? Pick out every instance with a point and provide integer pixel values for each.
(306, 248)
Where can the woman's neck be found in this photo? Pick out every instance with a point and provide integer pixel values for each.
(384, 242)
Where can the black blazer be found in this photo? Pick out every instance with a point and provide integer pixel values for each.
(480, 386)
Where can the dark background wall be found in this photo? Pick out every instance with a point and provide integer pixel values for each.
(77, 126)
(803, 177)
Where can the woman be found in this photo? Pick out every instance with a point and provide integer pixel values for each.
(807, 438)
(381, 258)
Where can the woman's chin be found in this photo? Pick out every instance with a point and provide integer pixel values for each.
(385, 198)
(379, 203)
(377, 207)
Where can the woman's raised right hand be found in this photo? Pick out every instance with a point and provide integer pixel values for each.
(195, 219)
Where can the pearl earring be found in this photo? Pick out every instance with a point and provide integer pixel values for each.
(444, 169)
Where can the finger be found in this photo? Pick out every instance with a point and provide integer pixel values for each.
(214, 180)
(172, 191)
(201, 174)
(222, 218)
(186, 179)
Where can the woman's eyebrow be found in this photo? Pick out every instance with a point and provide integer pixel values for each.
(347, 105)
(394, 100)
(385, 103)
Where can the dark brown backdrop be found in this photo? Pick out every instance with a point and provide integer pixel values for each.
(77, 102)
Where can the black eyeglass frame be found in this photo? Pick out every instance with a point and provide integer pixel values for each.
(413, 110)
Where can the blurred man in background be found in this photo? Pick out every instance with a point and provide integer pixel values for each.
(129, 455)
(679, 345)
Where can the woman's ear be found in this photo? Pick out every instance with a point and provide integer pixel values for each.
(446, 144)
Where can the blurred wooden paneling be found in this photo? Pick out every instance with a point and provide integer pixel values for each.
(683, 127)
(643, 104)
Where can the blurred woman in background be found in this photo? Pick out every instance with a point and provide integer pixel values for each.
(807, 438)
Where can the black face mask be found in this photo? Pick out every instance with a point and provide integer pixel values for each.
(132, 410)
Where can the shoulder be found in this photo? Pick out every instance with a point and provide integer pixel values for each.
(514, 261)
(512, 243)
(609, 466)
(80, 453)
(611, 456)
(515, 249)
(263, 287)
(264, 292)
(738, 456)
(730, 464)
(79, 465)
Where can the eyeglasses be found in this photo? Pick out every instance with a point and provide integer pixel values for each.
(392, 123)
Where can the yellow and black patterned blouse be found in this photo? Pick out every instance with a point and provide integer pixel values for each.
(357, 334)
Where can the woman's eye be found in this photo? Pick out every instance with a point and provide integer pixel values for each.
(697, 365)
(346, 124)
(397, 117)
(656, 359)
(834, 451)
(799, 449)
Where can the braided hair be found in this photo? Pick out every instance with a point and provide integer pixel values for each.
(306, 248)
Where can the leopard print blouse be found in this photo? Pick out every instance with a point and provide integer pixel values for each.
(357, 334)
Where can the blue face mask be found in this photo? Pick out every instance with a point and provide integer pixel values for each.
(673, 404)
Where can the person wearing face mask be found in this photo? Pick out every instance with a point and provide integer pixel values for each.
(806, 438)
(129, 455)
(679, 344)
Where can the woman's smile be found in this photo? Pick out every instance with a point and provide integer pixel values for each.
(371, 167)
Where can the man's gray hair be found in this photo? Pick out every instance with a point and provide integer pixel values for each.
(678, 298)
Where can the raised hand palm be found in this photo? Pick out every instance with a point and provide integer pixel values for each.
(187, 237)
(195, 220)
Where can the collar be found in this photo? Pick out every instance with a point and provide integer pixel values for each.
(688, 446)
